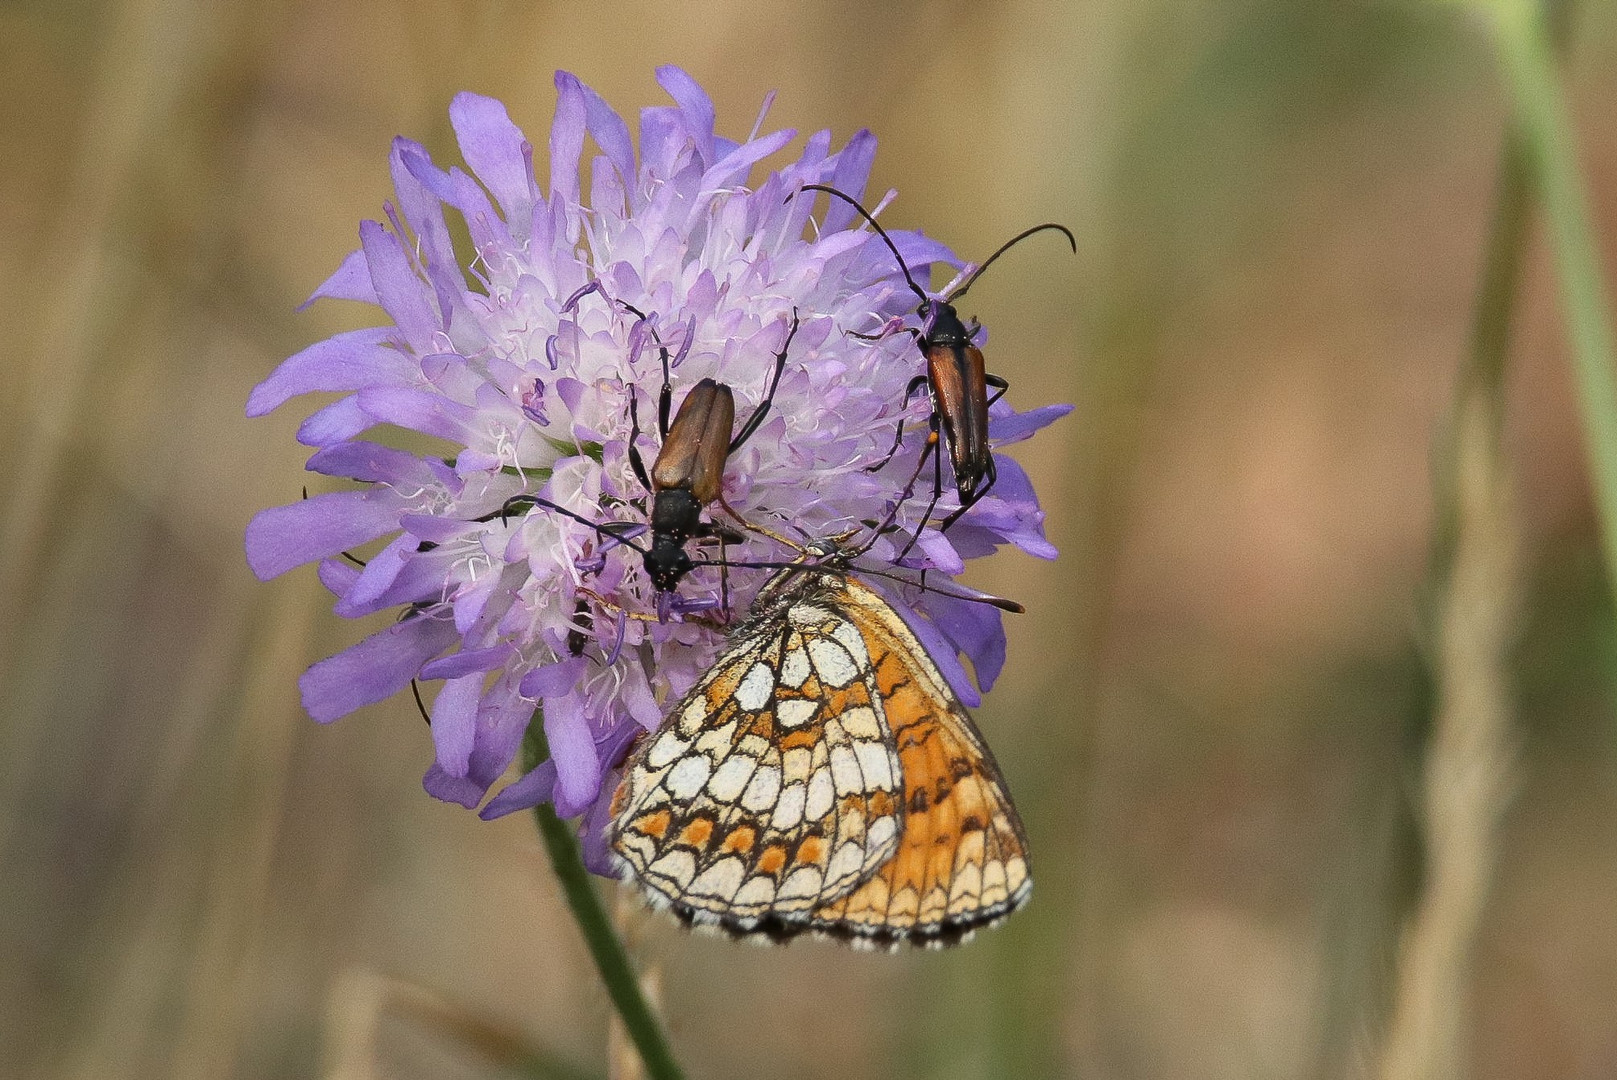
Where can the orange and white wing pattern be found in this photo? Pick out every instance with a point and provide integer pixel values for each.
(823, 778)
(773, 787)
(962, 858)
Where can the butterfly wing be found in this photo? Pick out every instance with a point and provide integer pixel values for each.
(962, 859)
(774, 786)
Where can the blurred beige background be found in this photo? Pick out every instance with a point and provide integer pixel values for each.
(1209, 710)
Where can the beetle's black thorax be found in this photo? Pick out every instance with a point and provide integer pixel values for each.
(675, 515)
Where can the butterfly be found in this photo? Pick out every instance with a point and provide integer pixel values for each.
(822, 778)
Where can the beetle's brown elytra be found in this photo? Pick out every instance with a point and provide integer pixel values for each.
(698, 443)
(688, 473)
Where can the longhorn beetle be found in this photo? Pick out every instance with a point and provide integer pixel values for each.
(688, 473)
(956, 377)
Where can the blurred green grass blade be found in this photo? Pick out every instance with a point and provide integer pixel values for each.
(1545, 129)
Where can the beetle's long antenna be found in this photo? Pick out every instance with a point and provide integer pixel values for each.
(888, 240)
(601, 528)
(1006, 246)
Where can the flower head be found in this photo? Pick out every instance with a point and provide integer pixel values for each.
(515, 541)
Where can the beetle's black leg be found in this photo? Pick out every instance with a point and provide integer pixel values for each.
(665, 396)
(724, 577)
(889, 523)
(967, 503)
(909, 392)
(758, 414)
(935, 443)
(635, 461)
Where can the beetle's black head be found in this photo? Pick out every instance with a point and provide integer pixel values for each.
(666, 562)
(941, 325)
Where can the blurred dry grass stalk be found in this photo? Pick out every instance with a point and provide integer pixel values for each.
(1470, 759)
(361, 999)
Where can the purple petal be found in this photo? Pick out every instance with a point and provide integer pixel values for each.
(351, 281)
(1012, 510)
(592, 834)
(425, 411)
(639, 699)
(920, 251)
(471, 603)
(524, 794)
(492, 146)
(418, 578)
(978, 630)
(1009, 427)
(468, 661)
(566, 137)
(483, 222)
(852, 170)
(662, 136)
(338, 575)
(441, 530)
(735, 166)
(614, 745)
(373, 670)
(937, 646)
(461, 790)
(372, 463)
(592, 830)
(502, 721)
(400, 292)
(347, 361)
(425, 213)
(380, 571)
(554, 680)
(972, 541)
(286, 536)
(572, 748)
(694, 105)
(454, 722)
(338, 422)
(814, 154)
(939, 552)
(611, 134)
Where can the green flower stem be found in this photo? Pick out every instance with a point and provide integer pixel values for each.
(611, 959)
(1545, 129)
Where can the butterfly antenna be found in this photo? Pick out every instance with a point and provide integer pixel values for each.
(974, 598)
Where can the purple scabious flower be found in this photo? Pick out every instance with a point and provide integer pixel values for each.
(516, 360)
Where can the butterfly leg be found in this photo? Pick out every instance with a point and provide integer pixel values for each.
(760, 529)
